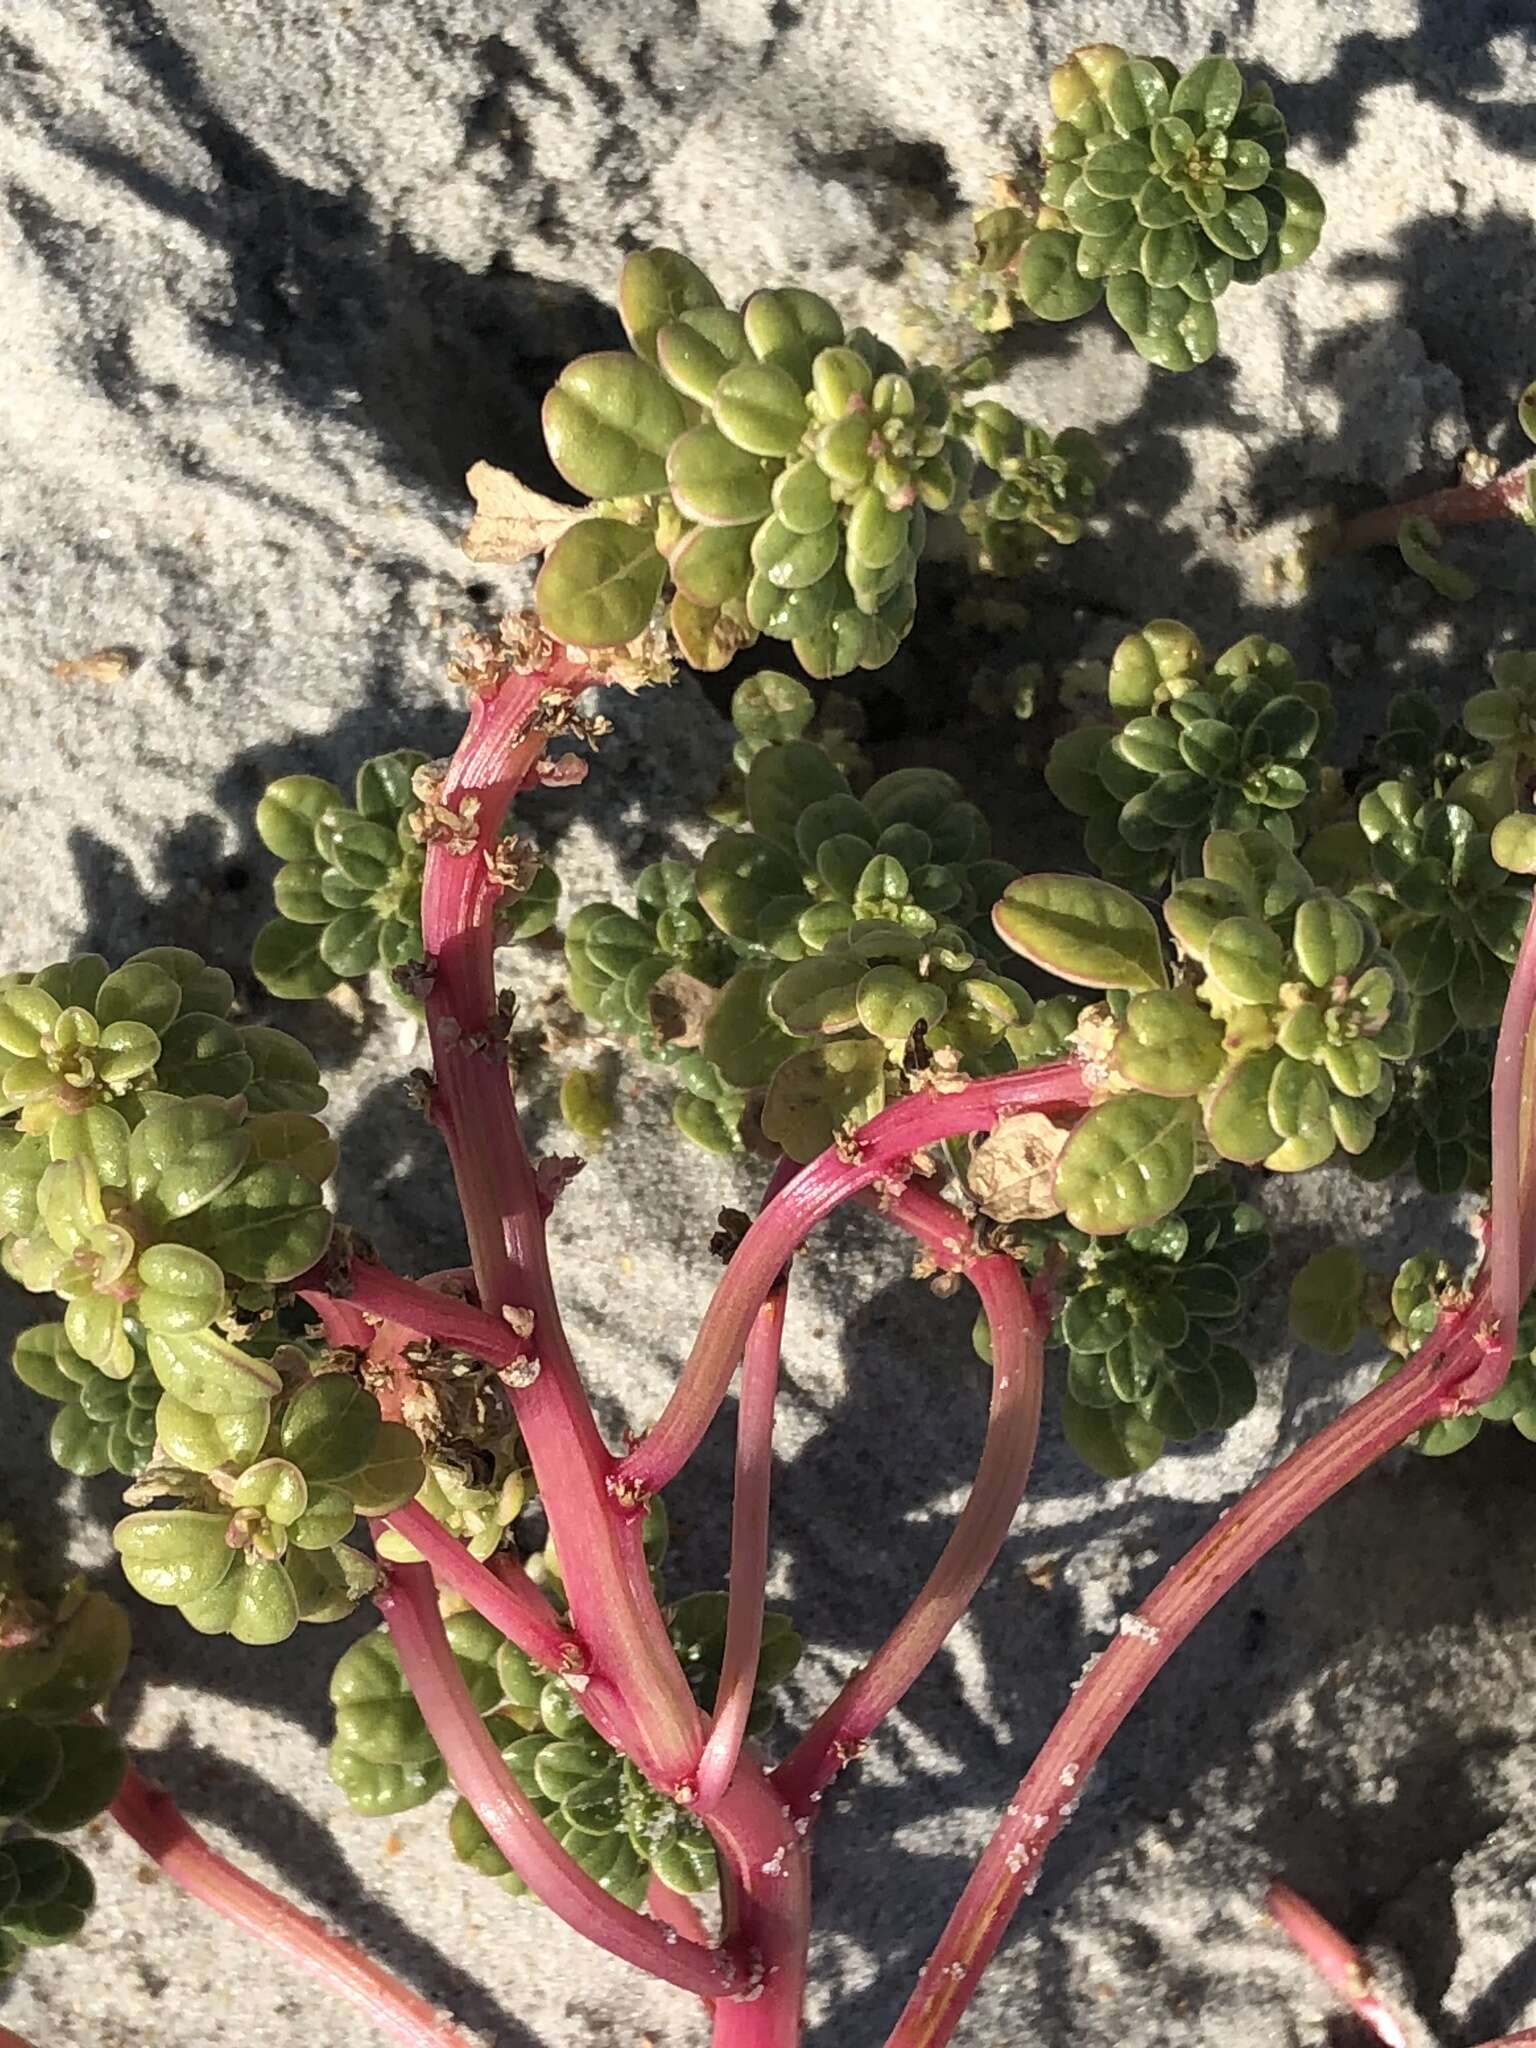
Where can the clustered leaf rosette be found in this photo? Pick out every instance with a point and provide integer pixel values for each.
(1160, 191)
(774, 469)
(1045, 490)
(267, 1483)
(1450, 914)
(78, 1040)
(64, 1654)
(348, 894)
(1141, 1318)
(593, 1801)
(1233, 745)
(1279, 1053)
(103, 1424)
(1316, 1012)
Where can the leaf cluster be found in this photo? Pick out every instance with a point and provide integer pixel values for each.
(775, 471)
(1160, 191)
(266, 1485)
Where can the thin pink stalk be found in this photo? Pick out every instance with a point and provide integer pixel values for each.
(1512, 1207)
(10, 2040)
(880, 1150)
(1457, 505)
(445, 1318)
(508, 1599)
(408, 1602)
(749, 1552)
(1424, 1389)
(1336, 1961)
(171, 1842)
(344, 1323)
(1013, 1424)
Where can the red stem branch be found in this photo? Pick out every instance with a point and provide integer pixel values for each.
(408, 1602)
(171, 1842)
(881, 1151)
(765, 1878)
(1013, 1424)
(749, 1552)
(1427, 1387)
(508, 1599)
(1456, 505)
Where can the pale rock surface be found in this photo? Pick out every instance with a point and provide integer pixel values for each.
(274, 272)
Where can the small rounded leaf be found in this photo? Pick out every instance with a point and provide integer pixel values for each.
(598, 586)
(1086, 931)
(1127, 1163)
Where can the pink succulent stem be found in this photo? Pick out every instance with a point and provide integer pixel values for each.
(749, 1552)
(1013, 1423)
(474, 1107)
(408, 1602)
(445, 1318)
(1457, 505)
(345, 1324)
(507, 1598)
(1427, 1387)
(880, 1150)
(1512, 1209)
(764, 1872)
(152, 1819)
(1336, 1961)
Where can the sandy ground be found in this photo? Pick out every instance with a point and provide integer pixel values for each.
(273, 273)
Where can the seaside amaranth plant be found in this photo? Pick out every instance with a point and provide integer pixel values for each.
(1043, 1080)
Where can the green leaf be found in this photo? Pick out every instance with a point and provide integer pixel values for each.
(1210, 93)
(287, 1138)
(742, 1036)
(183, 1290)
(1050, 283)
(819, 1092)
(205, 991)
(56, 1892)
(210, 1376)
(172, 1556)
(785, 781)
(139, 992)
(92, 1768)
(714, 564)
(271, 1224)
(1116, 1444)
(183, 1155)
(31, 1758)
(328, 1428)
(1128, 1162)
(892, 1002)
(761, 409)
(1084, 930)
(79, 1668)
(1327, 1300)
(789, 328)
(199, 1055)
(608, 424)
(393, 1474)
(1301, 226)
(694, 351)
(739, 876)
(598, 585)
(286, 959)
(657, 286)
(1168, 1045)
(287, 814)
(283, 1072)
(717, 483)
